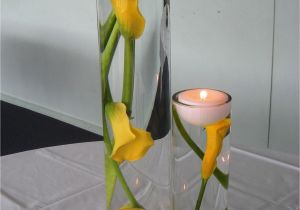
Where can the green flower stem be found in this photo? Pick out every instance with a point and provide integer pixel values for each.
(128, 80)
(201, 194)
(106, 60)
(106, 29)
(117, 169)
(221, 177)
(125, 187)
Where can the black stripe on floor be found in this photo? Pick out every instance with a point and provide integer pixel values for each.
(23, 129)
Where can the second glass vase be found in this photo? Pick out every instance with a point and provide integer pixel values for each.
(190, 145)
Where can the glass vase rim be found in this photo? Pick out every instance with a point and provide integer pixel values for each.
(175, 98)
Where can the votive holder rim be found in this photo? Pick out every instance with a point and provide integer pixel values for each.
(175, 98)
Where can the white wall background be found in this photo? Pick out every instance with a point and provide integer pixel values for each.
(50, 56)
(248, 48)
(284, 120)
(229, 47)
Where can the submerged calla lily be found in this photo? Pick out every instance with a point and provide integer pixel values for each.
(130, 143)
(215, 135)
(129, 17)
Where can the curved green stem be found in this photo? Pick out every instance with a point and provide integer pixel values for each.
(221, 177)
(125, 187)
(201, 194)
(106, 60)
(117, 169)
(108, 52)
(128, 78)
(106, 29)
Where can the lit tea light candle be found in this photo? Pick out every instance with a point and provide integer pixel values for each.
(202, 107)
(202, 97)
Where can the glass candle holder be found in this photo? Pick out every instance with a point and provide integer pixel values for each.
(201, 149)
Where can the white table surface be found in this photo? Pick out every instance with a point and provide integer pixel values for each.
(70, 177)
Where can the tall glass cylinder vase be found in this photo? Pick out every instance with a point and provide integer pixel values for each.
(201, 151)
(134, 43)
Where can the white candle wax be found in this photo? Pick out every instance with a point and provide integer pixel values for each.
(202, 97)
(202, 107)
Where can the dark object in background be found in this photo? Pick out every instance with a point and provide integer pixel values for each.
(23, 129)
(160, 121)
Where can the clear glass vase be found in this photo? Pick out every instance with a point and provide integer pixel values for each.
(144, 183)
(189, 145)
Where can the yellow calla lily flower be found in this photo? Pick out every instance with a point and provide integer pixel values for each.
(215, 135)
(130, 143)
(129, 17)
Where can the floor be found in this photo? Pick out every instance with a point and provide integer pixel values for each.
(42, 131)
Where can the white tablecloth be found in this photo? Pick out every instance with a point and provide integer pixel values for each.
(66, 177)
(70, 177)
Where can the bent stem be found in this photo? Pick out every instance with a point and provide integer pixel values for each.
(106, 29)
(201, 194)
(221, 177)
(125, 186)
(117, 169)
(106, 60)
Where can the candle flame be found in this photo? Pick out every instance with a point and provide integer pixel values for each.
(203, 95)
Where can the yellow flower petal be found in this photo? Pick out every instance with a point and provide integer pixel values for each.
(215, 135)
(116, 113)
(130, 143)
(129, 17)
(135, 149)
(140, 146)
